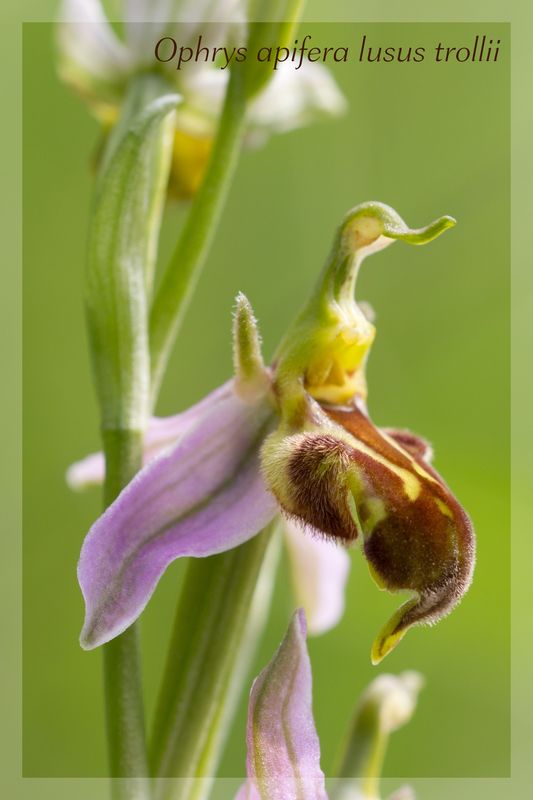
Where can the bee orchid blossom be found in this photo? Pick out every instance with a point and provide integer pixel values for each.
(98, 64)
(294, 437)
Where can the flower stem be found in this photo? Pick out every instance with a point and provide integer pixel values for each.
(122, 674)
(123, 449)
(362, 758)
(220, 616)
(180, 279)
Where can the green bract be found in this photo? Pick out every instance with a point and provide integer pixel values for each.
(122, 250)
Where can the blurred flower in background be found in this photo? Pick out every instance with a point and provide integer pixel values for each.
(98, 61)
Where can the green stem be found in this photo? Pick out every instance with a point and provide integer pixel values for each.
(123, 449)
(371, 772)
(180, 279)
(362, 757)
(219, 618)
(122, 674)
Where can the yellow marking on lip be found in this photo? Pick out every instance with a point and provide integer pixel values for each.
(416, 466)
(443, 508)
(411, 484)
(384, 644)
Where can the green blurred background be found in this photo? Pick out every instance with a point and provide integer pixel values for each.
(426, 138)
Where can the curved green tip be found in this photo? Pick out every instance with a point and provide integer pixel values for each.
(383, 645)
(422, 235)
(391, 225)
(392, 632)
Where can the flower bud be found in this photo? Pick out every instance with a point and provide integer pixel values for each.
(386, 704)
(391, 700)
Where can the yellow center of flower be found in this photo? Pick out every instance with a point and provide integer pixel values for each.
(190, 156)
(335, 373)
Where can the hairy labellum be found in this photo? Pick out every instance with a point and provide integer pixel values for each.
(347, 477)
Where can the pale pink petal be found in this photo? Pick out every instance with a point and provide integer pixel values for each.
(203, 496)
(283, 761)
(248, 792)
(163, 432)
(85, 473)
(319, 569)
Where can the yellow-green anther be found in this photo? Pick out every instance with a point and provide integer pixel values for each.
(251, 377)
(325, 351)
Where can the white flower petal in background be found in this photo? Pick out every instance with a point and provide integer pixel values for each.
(203, 89)
(97, 64)
(319, 571)
(294, 98)
(146, 21)
(219, 15)
(88, 44)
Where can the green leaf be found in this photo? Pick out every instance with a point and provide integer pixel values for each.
(122, 251)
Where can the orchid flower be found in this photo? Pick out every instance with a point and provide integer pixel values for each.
(283, 749)
(293, 438)
(98, 64)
